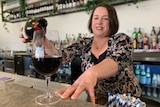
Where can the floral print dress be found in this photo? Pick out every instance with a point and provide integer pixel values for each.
(120, 50)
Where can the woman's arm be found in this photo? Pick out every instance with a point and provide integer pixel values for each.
(105, 69)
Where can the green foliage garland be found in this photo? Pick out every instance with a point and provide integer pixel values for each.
(92, 3)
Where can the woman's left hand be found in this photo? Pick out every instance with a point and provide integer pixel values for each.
(85, 82)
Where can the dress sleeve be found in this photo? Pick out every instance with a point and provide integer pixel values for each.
(121, 50)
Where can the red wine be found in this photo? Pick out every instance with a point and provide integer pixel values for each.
(47, 66)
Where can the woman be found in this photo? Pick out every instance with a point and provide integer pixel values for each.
(106, 59)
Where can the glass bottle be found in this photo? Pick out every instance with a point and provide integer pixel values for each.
(148, 81)
(148, 91)
(134, 36)
(85, 1)
(134, 33)
(153, 38)
(137, 72)
(70, 4)
(140, 39)
(158, 38)
(145, 41)
(148, 76)
(33, 24)
(143, 75)
(154, 80)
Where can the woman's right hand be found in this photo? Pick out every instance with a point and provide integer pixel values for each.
(24, 40)
(49, 46)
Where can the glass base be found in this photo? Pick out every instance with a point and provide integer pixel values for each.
(47, 99)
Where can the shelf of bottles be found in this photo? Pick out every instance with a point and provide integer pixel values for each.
(63, 74)
(38, 8)
(148, 75)
(146, 41)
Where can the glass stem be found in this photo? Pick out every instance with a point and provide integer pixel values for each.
(48, 88)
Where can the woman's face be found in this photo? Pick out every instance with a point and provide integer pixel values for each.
(100, 22)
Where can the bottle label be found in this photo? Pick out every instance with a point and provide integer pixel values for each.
(24, 34)
(143, 79)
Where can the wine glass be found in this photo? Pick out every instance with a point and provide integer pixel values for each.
(46, 58)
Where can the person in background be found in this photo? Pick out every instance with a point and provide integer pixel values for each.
(106, 59)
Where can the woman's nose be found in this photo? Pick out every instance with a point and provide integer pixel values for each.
(100, 21)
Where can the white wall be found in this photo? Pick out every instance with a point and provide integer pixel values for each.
(146, 16)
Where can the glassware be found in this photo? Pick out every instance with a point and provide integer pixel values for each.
(46, 58)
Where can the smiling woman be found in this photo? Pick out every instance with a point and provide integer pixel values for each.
(108, 70)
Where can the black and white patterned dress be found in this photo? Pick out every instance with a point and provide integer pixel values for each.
(120, 50)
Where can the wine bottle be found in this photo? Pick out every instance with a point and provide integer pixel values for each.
(145, 41)
(153, 38)
(140, 39)
(33, 24)
(134, 37)
(74, 3)
(70, 4)
(135, 43)
(158, 38)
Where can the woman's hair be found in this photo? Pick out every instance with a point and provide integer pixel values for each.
(113, 19)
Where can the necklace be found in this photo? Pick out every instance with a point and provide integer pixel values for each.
(99, 47)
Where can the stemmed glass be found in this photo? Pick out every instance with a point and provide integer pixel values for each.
(46, 58)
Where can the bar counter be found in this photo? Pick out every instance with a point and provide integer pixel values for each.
(22, 91)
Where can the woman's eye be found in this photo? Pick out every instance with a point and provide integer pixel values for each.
(106, 18)
(95, 18)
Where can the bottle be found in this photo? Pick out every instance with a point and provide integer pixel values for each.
(143, 75)
(63, 4)
(153, 38)
(70, 4)
(145, 41)
(60, 4)
(158, 80)
(148, 91)
(73, 39)
(148, 76)
(153, 31)
(81, 2)
(148, 81)
(154, 83)
(135, 43)
(67, 39)
(74, 3)
(158, 38)
(85, 1)
(140, 39)
(77, 2)
(134, 33)
(134, 36)
(154, 92)
(154, 80)
(137, 72)
(79, 36)
(158, 84)
(67, 3)
(33, 24)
